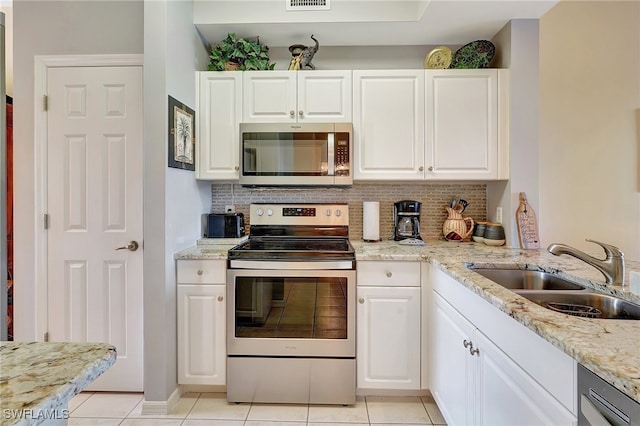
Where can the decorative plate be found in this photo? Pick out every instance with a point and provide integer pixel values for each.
(438, 58)
(477, 54)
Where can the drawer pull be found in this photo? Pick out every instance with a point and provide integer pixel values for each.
(361, 300)
(473, 351)
(220, 298)
(199, 272)
(389, 274)
(466, 343)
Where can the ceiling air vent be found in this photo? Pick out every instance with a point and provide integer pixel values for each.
(308, 4)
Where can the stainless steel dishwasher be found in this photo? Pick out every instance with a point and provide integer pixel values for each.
(599, 403)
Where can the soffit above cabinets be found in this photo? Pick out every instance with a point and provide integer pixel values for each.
(363, 22)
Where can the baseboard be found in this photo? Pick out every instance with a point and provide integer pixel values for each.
(203, 388)
(162, 407)
(392, 392)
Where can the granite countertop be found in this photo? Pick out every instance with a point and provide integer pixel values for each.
(610, 348)
(37, 378)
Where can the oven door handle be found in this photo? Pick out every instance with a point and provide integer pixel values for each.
(261, 264)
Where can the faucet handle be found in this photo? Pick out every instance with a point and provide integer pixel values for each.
(610, 250)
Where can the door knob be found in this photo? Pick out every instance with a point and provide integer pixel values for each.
(132, 246)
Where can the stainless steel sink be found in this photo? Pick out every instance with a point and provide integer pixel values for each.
(561, 295)
(584, 304)
(522, 279)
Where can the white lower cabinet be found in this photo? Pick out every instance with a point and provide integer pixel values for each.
(201, 324)
(388, 323)
(388, 348)
(474, 382)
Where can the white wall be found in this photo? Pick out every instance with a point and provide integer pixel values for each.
(589, 95)
(174, 200)
(97, 27)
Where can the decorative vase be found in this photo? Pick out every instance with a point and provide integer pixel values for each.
(456, 227)
(231, 66)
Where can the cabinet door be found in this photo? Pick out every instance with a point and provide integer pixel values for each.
(451, 364)
(324, 96)
(462, 124)
(219, 100)
(201, 334)
(507, 395)
(388, 121)
(269, 97)
(388, 338)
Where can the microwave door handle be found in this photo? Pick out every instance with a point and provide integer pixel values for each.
(331, 166)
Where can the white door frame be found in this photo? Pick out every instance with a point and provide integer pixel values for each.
(41, 67)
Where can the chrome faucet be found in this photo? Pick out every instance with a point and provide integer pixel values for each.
(612, 267)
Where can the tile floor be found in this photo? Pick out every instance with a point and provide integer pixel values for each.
(199, 409)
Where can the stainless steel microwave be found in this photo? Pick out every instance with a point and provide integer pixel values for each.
(286, 154)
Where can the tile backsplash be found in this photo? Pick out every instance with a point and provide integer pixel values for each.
(433, 196)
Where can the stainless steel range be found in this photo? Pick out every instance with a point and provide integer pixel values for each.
(291, 307)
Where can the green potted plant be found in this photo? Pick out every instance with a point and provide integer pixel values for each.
(235, 53)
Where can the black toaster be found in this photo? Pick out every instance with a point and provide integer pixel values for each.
(223, 225)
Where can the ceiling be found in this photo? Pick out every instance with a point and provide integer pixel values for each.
(363, 22)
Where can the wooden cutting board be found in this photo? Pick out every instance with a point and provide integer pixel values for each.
(527, 225)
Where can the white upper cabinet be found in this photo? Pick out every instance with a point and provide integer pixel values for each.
(297, 96)
(219, 97)
(462, 124)
(433, 124)
(388, 124)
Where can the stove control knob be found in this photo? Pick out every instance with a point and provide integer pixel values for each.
(338, 213)
(269, 212)
(259, 212)
(328, 212)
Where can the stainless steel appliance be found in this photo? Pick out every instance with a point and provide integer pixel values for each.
(599, 403)
(291, 307)
(287, 154)
(406, 220)
(223, 225)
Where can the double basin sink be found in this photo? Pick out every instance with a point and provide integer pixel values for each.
(561, 295)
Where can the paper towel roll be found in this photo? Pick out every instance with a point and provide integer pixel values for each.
(371, 221)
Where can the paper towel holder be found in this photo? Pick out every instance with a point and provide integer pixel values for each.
(371, 221)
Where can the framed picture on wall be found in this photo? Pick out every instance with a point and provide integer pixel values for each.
(182, 141)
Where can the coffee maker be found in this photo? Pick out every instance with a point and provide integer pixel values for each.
(406, 220)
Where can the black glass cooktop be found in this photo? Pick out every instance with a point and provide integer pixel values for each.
(274, 248)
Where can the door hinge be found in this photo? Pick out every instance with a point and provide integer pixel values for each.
(46, 221)
(45, 102)
(46, 336)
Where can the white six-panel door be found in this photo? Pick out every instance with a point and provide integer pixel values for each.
(94, 201)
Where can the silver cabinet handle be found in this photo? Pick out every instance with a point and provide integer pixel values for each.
(300, 113)
(389, 274)
(199, 272)
(237, 167)
(361, 300)
(220, 298)
(473, 351)
(292, 113)
(132, 246)
(430, 168)
(466, 343)
(421, 168)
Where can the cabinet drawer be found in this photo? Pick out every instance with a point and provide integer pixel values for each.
(374, 273)
(202, 271)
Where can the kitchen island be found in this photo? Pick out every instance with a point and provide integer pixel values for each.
(37, 379)
(607, 347)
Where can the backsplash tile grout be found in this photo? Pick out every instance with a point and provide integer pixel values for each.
(433, 196)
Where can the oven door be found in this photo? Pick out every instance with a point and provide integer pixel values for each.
(301, 313)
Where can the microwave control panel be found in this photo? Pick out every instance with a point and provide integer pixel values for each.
(342, 154)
